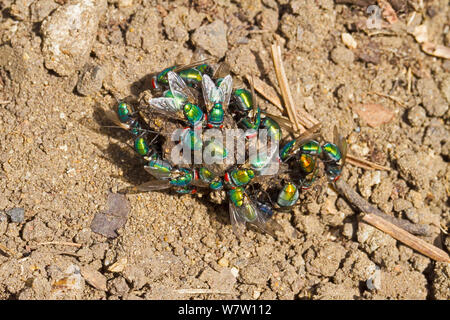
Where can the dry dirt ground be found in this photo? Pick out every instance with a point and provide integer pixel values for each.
(62, 61)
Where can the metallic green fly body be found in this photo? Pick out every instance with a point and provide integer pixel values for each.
(304, 153)
(196, 99)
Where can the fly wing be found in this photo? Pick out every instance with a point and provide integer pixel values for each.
(237, 221)
(226, 87)
(341, 143)
(264, 221)
(310, 134)
(261, 219)
(166, 107)
(269, 226)
(255, 103)
(191, 65)
(211, 94)
(222, 70)
(344, 147)
(283, 122)
(158, 174)
(112, 116)
(199, 183)
(164, 104)
(176, 83)
(336, 135)
(154, 185)
(180, 88)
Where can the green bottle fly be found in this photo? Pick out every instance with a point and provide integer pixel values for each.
(288, 196)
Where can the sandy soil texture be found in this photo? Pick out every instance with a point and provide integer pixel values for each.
(62, 62)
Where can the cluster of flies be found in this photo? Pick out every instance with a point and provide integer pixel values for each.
(195, 96)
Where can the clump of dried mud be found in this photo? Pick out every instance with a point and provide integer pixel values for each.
(62, 61)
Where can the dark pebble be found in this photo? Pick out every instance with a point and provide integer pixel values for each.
(90, 80)
(17, 214)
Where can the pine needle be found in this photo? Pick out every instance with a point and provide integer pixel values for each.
(365, 164)
(284, 87)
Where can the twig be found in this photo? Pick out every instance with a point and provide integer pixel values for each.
(7, 251)
(270, 94)
(344, 189)
(284, 87)
(407, 238)
(267, 92)
(395, 99)
(365, 164)
(200, 291)
(361, 3)
(68, 254)
(5, 101)
(397, 228)
(61, 243)
(409, 77)
(362, 163)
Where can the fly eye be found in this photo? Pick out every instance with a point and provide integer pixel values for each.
(154, 83)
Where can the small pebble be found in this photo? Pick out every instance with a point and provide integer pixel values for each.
(416, 116)
(374, 114)
(445, 88)
(421, 33)
(118, 266)
(445, 149)
(446, 65)
(341, 55)
(401, 205)
(313, 208)
(72, 281)
(17, 214)
(118, 286)
(223, 262)
(268, 20)
(83, 236)
(3, 223)
(69, 33)
(349, 41)
(94, 278)
(125, 3)
(435, 134)
(412, 215)
(212, 38)
(41, 9)
(447, 242)
(348, 230)
(374, 282)
(256, 294)
(234, 272)
(90, 80)
(106, 223)
(432, 100)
